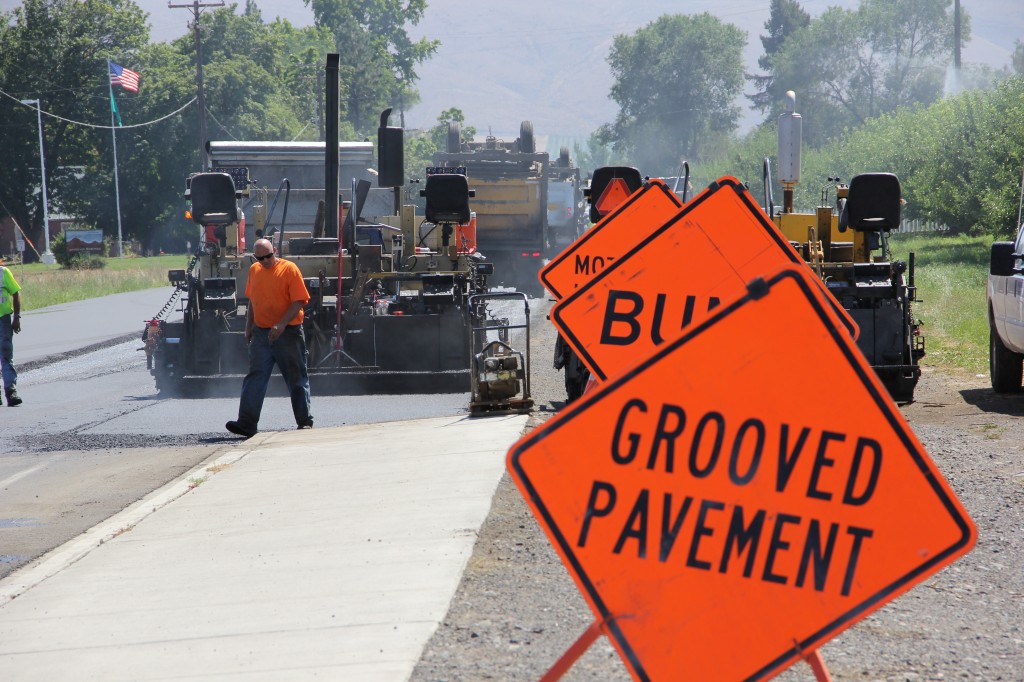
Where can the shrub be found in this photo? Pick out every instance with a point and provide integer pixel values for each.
(59, 248)
(87, 261)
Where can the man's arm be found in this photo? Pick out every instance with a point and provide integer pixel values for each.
(288, 316)
(248, 321)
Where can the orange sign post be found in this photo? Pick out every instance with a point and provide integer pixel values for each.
(725, 506)
(643, 212)
(676, 276)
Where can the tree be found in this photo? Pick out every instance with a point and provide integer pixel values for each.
(851, 65)
(676, 81)
(378, 58)
(439, 132)
(1017, 58)
(56, 51)
(594, 153)
(786, 18)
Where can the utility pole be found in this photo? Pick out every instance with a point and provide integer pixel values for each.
(196, 8)
(47, 255)
(956, 36)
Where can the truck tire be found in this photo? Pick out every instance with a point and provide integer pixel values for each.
(453, 144)
(563, 157)
(1004, 366)
(526, 143)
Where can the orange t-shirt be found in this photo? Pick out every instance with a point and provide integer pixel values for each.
(271, 290)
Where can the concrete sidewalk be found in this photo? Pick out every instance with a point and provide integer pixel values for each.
(329, 554)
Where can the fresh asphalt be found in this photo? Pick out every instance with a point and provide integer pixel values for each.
(331, 553)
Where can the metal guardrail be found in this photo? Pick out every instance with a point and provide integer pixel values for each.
(907, 226)
(914, 226)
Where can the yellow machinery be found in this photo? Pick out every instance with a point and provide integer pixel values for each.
(846, 242)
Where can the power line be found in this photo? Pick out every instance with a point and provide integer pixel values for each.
(93, 125)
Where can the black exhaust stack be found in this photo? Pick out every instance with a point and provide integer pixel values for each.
(331, 186)
(391, 158)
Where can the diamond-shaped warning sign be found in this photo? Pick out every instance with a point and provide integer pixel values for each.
(674, 277)
(743, 495)
(644, 211)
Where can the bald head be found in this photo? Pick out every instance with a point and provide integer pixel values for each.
(261, 250)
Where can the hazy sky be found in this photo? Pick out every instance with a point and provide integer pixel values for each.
(503, 61)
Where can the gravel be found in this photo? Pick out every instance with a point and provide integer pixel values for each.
(517, 609)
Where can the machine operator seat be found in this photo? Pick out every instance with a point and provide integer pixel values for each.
(213, 199)
(447, 198)
(873, 203)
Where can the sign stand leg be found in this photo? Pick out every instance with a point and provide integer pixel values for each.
(817, 664)
(573, 653)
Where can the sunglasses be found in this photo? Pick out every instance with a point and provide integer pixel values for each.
(264, 256)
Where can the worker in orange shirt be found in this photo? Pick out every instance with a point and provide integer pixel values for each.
(273, 331)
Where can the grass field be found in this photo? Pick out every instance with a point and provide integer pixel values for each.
(46, 285)
(951, 279)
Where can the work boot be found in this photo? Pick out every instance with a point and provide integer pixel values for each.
(12, 397)
(240, 430)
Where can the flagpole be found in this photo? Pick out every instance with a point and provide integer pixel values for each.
(117, 188)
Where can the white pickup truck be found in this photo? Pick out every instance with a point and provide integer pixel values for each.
(1006, 314)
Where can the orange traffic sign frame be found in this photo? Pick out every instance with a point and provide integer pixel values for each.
(646, 209)
(674, 277)
(735, 500)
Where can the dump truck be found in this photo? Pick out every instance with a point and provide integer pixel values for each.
(846, 243)
(391, 309)
(527, 208)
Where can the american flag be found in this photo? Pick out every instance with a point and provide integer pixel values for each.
(126, 78)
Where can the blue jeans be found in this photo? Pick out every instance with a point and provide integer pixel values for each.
(10, 376)
(289, 352)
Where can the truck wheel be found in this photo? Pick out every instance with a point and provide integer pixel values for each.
(563, 157)
(453, 144)
(1004, 366)
(526, 143)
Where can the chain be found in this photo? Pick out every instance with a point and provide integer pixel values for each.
(178, 288)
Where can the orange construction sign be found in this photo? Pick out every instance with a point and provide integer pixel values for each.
(742, 495)
(674, 277)
(644, 211)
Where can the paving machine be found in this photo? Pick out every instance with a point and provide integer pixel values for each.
(383, 316)
(847, 245)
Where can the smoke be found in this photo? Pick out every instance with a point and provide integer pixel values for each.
(953, 83)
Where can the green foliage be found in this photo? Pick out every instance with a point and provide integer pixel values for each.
(785, 18)
(951, 277)
(439, 133)
(853, 65)
(56, 51)
(420, 145)
(595, 153)
(87, 261)
(46, 285)
(59, 249)
(676, 82)
(378, 58)
(261, 81)
(959, 160)
(419, 152)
